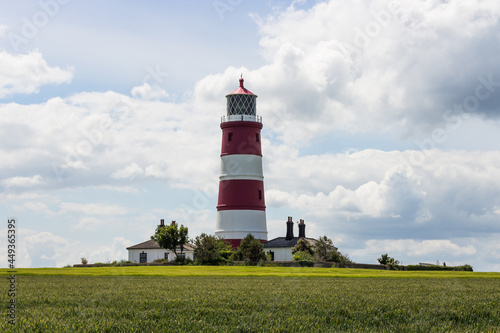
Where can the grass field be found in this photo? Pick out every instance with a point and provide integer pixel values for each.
(247, 271)
(252, 299)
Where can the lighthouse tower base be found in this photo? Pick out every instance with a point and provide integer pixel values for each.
(234, 225)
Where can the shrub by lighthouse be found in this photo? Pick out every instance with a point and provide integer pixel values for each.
(241, 207)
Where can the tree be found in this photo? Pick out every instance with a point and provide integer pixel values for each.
(386, 260)
(337, 256)
(250, 249)
(303, 245)
(323, 248)
(211, 250)
(171, 236)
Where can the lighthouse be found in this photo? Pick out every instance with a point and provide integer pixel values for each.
(241, 207)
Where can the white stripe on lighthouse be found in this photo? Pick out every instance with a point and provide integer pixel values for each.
(241, 167)
(236, 224)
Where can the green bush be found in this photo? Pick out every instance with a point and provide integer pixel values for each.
(338, 257)
(211, 250)
(101, 264)
(250, 249)
(183, 261)
(305, 263)
(160, 261)
(304, 258)
(303, 246)
(467, 268)
(386, 260)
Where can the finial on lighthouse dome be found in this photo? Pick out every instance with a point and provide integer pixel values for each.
(241, 89)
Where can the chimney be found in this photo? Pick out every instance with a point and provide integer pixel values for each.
(162, 223)
(289, 228)
(302, 229)
(173, 222)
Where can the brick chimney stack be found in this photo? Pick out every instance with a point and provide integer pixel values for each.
(302, 229)
(289, 228)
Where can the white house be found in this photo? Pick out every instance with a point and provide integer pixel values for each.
(281, 248)
(149, 251)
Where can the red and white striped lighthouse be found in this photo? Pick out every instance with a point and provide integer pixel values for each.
(241, 208)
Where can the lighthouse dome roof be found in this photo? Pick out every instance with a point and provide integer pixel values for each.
(241, 90)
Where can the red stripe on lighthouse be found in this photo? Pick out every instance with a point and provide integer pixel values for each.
(241, 194)
(241, 137)
(236, 242)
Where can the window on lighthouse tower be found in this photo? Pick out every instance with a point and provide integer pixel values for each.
(260, 194)
(257, 138)
(230, 137)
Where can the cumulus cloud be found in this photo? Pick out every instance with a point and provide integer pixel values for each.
(44, 249)
(414, 248)
(38, 207)
(419, 68)
(380, 65)
(372, 192)
(456, 251)
(23, 181)
(69, 141)
(26, 73)
(92, 209)
(89, 223)
(116, 250)
(130, 171)
(147, 92)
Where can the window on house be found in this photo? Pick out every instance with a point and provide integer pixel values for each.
(143, 257)
(166, 255)
(230, 137)
(260, 194)
(181, 255)
(257, 138)
(272, 254)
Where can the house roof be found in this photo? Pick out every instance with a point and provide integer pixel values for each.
(152, 244)
(283, 242)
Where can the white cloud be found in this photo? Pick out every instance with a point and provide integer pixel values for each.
(373, 65)
(147, 92)
(398, 190)
(369, 193)
(116, 250)
(455, 251)
(130, 171)
(38, 207)
(110, 134)
(92, 209)
(326, 71)
(123, 189)
(89, 223)
(437, 247)
(44, 249)
(26, 73)
(23, 181)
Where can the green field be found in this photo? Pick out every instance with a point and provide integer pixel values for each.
(252, 299)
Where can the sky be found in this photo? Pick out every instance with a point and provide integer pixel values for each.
(381, 123)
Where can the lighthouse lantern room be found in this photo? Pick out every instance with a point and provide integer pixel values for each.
(241, 207)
